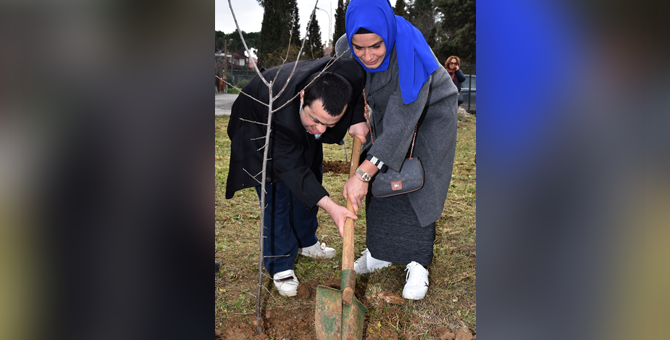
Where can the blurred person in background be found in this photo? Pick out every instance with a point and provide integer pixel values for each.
(453, 66)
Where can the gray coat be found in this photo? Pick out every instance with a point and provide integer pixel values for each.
(394, 123)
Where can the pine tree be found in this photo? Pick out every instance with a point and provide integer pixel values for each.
(400, 9)
(409, 10)
(460, 30)
(295, 38)
(277, 17)
(423, 16)
(314, 45)
(340, 13)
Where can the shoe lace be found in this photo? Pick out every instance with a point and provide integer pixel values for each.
(363, 259)
(413, 275)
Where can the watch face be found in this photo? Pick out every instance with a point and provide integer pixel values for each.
(364, 175)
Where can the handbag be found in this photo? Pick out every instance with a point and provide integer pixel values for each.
(392, 183)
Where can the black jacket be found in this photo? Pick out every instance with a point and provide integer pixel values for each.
(459, 79)
(294, 156)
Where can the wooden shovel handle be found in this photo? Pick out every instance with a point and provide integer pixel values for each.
(348, 247)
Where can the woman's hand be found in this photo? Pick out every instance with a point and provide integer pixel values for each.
(355, 190)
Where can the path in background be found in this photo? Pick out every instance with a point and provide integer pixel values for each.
(223, 102)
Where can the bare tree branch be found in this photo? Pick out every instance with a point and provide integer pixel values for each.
(330, 63)
(262, 147)
(299, 52)
(255, 122)
(262, 219)
(245, 44)
(252, 176)
(242, 92)
(288, 50)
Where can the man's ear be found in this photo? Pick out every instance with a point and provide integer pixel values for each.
(302, 95)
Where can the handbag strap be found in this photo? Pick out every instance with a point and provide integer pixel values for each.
(366, 114)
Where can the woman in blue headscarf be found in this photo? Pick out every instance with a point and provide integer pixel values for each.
(405, 86)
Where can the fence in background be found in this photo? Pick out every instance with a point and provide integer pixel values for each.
(239, 78)
(469, 88)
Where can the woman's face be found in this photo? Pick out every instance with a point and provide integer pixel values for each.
(453, 63)
(369, 48)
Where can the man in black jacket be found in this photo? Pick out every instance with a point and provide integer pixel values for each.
(321, 113)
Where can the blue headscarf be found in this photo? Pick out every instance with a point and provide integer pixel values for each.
(415, 58)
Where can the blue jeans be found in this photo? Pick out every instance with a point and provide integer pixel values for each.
(288, 226)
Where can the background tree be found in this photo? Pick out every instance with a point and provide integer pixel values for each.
(234, 42)
(314, 48)
(401, 9)
(277, 15)
(340, 13)
(218, 40)
(458, 27)
(295, 39)
(423, 16)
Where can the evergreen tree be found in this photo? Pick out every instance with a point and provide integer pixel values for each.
(234, 41)
(409, 11)
(459, 27)
(295, 38)
(423, 16)
(277, 17)
(314, 46)
(218, 41)
(400, 9)
(340, 13)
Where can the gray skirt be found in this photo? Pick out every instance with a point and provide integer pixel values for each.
(394, 233)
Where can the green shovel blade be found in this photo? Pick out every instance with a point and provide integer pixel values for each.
(334, 320)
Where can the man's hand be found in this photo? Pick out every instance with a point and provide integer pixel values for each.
(359, 130)
(338, 213)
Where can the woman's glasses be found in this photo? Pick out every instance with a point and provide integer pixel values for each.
(453, 63)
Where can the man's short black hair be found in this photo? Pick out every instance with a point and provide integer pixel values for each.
(332, 89)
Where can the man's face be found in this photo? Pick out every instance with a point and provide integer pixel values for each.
(315, 119)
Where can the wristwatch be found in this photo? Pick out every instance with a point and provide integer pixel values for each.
(364, 175)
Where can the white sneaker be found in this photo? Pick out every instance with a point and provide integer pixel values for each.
(366, 264)
(317, 251)
(417, 282)
(286, 282)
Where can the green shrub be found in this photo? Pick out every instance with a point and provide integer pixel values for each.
(241, 83)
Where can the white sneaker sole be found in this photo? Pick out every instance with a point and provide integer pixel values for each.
(288, 294)
(413, 295)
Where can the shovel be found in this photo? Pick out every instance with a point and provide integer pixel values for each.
(338, 314)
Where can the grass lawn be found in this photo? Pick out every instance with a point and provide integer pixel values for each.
(451, 300)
